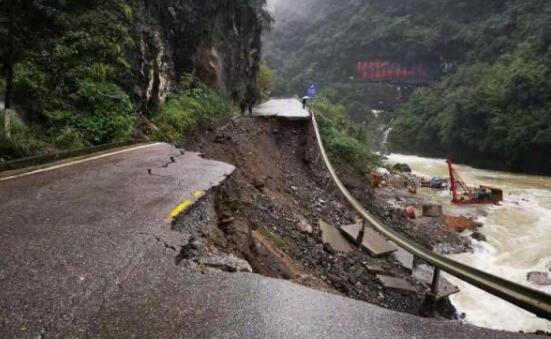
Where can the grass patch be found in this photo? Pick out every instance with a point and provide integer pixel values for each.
(276, 239)
(17, 140)
(346, 142)
(192, 104)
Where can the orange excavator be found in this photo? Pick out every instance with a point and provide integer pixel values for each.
(466, 195)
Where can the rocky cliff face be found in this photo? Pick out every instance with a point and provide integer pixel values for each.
(216, 41)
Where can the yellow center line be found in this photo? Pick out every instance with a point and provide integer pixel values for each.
(183, 206)
(77, 162)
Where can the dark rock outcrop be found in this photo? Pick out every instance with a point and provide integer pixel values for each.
(216, 41)
(539, 278)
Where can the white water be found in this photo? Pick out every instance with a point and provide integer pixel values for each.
(385, 136)
(519, 240)
(384, 143)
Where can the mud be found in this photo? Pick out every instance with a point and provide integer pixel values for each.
(259, 214)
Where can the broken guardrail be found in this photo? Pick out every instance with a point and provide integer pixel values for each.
(524, 297)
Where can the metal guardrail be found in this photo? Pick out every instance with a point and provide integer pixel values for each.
(526, 298)
(48, 158)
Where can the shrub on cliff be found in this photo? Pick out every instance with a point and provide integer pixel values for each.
(345, 142)
(265, 80)
(16, 140)
(192, 104)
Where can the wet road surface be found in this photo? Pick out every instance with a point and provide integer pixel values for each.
(85, 252)
(282, 108)
(71, 238)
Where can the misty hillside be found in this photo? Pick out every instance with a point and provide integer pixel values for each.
(487, 65)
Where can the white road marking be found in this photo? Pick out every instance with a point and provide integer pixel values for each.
(78, 162)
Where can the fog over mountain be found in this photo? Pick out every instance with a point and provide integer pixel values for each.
(488, 65)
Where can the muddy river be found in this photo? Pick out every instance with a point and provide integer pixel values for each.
(519, 240)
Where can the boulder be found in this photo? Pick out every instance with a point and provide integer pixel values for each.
(433, 211)
(329, 249)
(402, 168)
(382, 172)
(258, 184)
(539, 278)
(356, 273)
(479, 236)
(227, 220)
(305, 227)
(229, 263)
(397, 181)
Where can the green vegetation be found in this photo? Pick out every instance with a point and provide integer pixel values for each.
(345, 142)
(17, 140)
(279, 241)
(265, 80)
(490, 62)
(495, 111)
(187, 107)
(83, 73)
(63, 70)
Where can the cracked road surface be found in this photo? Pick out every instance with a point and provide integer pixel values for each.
(85, 253)
(73, 238)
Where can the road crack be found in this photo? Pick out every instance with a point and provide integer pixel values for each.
(166, 245)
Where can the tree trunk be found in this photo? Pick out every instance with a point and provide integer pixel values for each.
(9, 87)
(10, 59)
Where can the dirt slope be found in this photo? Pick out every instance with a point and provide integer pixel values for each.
(268, 213)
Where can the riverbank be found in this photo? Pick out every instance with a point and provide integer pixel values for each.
(391, 203)
(517, 237)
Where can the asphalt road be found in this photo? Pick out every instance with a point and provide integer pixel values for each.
(72, 237)
(282, 108)
(85, 252)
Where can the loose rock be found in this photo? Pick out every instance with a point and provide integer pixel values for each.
(329, 249)
(539, 278)
(227, 220)
(402, 168)
(305, 227)
(397, 181)
(479, 236)
(432, 211)
(228, 263)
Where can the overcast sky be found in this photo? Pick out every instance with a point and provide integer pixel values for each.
(271, 4)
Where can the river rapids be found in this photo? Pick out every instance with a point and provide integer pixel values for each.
(518, 234)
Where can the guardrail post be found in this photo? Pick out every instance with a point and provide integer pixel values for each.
(435, 283)
(361, 235)
(524, 297)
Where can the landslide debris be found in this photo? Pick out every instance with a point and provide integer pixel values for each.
(268, 213)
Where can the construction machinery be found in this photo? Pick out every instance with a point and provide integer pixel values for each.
(466, 195)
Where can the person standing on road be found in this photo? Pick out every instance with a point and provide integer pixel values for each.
(251, 105)
(305, 101)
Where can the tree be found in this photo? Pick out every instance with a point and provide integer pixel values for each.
(265, 79)
(8, 54)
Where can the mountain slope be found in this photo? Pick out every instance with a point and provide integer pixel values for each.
(488, 61)
(90, 72)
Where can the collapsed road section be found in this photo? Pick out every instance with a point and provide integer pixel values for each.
(86, 250)
(72, 239)
(279, 212)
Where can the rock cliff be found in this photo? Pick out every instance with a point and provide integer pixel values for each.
(219, 42)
